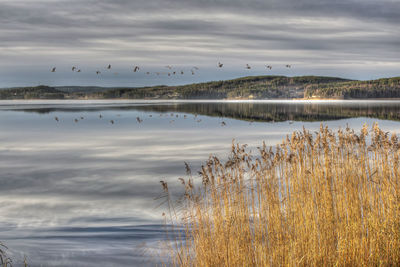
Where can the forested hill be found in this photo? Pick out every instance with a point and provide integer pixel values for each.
(381, 88)
(254, 87)
(38, 92)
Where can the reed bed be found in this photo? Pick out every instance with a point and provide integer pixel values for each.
(317, 199)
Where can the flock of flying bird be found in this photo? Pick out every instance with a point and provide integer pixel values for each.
(171, 69)
(140, 120)
(137, 68)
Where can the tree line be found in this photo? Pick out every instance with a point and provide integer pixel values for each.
(254, 87)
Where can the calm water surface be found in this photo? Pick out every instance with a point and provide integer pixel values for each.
(83, 193)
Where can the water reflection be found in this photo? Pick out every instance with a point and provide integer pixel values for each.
(83, 193)
(263, 111)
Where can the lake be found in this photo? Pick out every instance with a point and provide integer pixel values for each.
(82, 191)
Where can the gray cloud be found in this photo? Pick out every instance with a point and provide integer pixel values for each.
(357, 37)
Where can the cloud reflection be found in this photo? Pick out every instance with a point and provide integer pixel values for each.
(77, 190)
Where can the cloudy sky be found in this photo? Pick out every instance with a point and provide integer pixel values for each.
(357, 39)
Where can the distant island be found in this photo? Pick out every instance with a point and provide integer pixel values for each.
(252, 87)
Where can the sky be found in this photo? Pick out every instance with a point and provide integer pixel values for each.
(356, 39)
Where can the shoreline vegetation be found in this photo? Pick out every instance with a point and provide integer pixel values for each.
(317, 199)
(252, 87)
(5, 260)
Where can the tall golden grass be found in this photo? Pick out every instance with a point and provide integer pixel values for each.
(321, 199)
(6, 261)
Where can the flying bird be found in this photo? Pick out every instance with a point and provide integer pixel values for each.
(109, 66)
(53, 69)
(220, 65)
(73, 68)
(112, 121)
(79, 71)
(100, 116)
(136, 68)
(182, 72)
(98, 72)
(56, 118)
(82, 118)
(248, 66)
(139, 120)
(223, 123)
(288, 66)
(269, 67)
(75, 120)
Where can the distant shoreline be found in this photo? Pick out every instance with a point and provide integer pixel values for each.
(133, 101)
(308, 88)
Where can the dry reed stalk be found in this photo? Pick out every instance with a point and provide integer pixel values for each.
(5, 261)
(323, 199)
